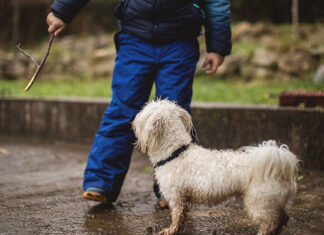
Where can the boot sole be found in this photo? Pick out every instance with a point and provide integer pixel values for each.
(95, 197)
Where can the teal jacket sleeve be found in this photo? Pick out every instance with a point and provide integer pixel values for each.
(66, 10)
(218, 26)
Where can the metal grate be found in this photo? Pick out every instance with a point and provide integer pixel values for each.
(298, 97)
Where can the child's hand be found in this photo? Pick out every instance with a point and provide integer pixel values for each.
(213, 61)
(55, 25)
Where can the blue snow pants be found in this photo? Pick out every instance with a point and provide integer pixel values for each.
(138, 64)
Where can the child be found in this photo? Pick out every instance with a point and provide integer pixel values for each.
(157, 43)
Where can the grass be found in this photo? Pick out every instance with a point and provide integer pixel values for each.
(246, 48)
(256, 91)
(206, 88)
(65, 86)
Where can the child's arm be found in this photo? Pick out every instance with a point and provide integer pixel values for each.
(63, 12)
(218, 26)
(218, 32)
(66, 10)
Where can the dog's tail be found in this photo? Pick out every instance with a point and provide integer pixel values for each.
(272, 162)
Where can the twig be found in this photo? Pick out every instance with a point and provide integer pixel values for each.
(27, 55)
(38, 66)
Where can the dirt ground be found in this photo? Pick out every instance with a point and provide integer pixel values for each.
(41, 187)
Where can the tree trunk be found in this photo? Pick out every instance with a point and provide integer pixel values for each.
(295, 18)
(15, 21)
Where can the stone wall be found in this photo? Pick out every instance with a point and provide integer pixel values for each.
(217, 125)
(259, 51)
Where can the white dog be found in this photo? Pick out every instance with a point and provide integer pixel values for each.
(264, 176)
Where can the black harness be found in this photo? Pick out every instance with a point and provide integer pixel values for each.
(174, 155)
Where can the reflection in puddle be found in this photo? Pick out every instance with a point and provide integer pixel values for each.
(142, 216)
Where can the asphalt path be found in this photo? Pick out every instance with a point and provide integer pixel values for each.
(41, 188)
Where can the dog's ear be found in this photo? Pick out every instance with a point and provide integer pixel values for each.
(156, 132)
(151, 135)
(186, 119)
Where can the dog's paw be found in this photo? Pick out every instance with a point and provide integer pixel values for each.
(168, 231)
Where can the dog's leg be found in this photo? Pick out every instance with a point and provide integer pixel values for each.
(275, 226)
(178, 214)
(283, 220)
(266, 207)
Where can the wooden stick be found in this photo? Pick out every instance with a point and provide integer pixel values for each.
(27, 55)
(38, 66)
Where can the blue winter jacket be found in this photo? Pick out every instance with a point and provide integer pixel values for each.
(165, 21)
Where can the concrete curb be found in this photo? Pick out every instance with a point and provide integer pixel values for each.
(218, 125)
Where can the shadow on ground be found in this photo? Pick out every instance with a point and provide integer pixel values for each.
(41, 187)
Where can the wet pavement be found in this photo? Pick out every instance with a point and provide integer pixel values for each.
(41, 187)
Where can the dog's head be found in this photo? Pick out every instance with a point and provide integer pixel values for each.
(160, 122)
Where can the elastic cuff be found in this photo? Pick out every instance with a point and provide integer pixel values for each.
(67, 10)
(66, 20)
(220, 47)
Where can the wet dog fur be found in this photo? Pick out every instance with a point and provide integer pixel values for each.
(264, 175)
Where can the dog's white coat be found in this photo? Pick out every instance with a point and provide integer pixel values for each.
(263, 175)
